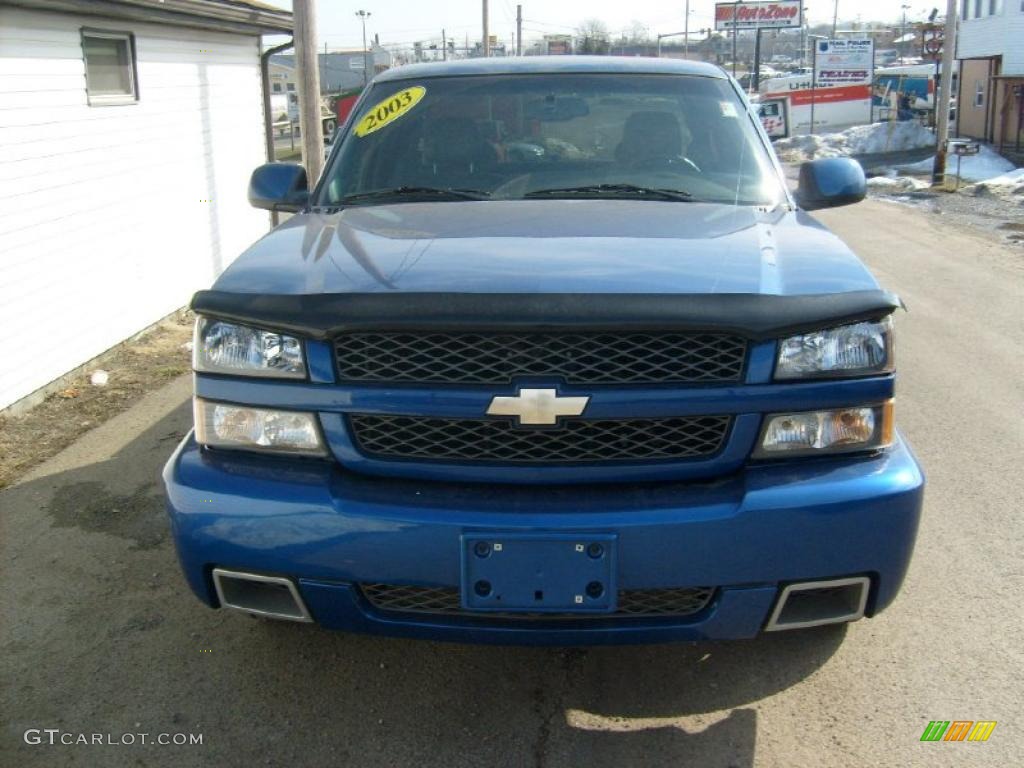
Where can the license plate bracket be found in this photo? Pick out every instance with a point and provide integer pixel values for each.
(539, 573)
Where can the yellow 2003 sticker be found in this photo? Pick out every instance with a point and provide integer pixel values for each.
(389, 110)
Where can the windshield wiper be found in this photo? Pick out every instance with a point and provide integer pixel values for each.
(441, 193)
(631, 191)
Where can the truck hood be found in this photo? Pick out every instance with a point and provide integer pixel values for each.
(550, 246)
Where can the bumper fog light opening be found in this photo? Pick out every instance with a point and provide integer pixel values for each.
(274, 597)
(816, 603)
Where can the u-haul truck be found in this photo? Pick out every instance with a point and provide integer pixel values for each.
(835, 107)
(841, 92)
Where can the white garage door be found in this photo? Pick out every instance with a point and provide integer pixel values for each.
(111, 216)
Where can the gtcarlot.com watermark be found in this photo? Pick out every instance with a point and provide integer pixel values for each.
(54, 736)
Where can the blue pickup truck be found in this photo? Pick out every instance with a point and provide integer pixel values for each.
(549, 354)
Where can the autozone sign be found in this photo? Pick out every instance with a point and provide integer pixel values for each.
(787, 13)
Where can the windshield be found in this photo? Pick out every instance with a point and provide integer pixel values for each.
(508, 137)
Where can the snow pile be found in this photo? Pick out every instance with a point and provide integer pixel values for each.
(1009, 185)
(889, 184)
(859, 140)
(987, 164)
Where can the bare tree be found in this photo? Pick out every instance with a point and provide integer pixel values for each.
(593, 37)
(636, 33)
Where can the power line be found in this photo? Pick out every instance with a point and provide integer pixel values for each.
(547, 24)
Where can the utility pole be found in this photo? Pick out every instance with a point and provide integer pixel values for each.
(835, 19)
(814, 72)
(308, 74)
(903, 33)
(519, 30)
(756, 80)
(444, 47)
(363, 16)
(686, 34)
(942, 98)
(487, 34)
(735, 32)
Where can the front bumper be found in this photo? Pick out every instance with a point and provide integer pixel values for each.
(746, 534)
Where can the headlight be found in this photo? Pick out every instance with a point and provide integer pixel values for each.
(221, 347)
(821, 432)
(220, 425)
(850, 350)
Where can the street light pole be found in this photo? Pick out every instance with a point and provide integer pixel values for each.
(363, 16)
(686, 34)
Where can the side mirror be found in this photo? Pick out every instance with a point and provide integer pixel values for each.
(279, 187)
(830, 182)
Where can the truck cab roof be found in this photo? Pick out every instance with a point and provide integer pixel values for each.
(534, 65)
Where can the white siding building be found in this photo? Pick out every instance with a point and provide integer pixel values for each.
(128, 130)
(990, 47)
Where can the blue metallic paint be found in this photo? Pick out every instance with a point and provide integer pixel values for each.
(549, 246)
(746, 532)
(746, 401)
(746, 528)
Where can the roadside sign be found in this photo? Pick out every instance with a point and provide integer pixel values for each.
(962, 149)
(844, 69)
(844, 62)
(759, 15)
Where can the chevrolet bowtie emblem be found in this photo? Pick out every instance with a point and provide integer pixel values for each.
(537, 407)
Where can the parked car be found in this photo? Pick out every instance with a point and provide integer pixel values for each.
(617, 388)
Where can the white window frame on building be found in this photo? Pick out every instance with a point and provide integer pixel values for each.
(129, 94)
(979, 94)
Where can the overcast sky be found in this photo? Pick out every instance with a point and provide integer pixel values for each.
(406, 21)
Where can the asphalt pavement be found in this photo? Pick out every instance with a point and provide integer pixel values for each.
(99, 634)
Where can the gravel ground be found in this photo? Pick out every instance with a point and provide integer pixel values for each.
(134, 368)
(965, 210)
(998, 216)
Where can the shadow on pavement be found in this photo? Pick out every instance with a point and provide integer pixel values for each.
(104, 636)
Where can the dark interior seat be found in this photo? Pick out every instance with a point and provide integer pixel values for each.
(460, 149)
(650, 136)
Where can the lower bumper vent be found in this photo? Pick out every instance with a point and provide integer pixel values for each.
(632, 603)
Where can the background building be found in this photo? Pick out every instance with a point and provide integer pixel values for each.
(340, 70)
(990, 47)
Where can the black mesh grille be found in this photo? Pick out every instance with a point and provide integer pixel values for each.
(640, 603)
(418, 437)
(583, 358)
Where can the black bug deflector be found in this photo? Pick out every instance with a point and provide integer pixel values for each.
(754, 316)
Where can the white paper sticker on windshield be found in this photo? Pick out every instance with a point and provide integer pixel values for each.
(728, 108)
